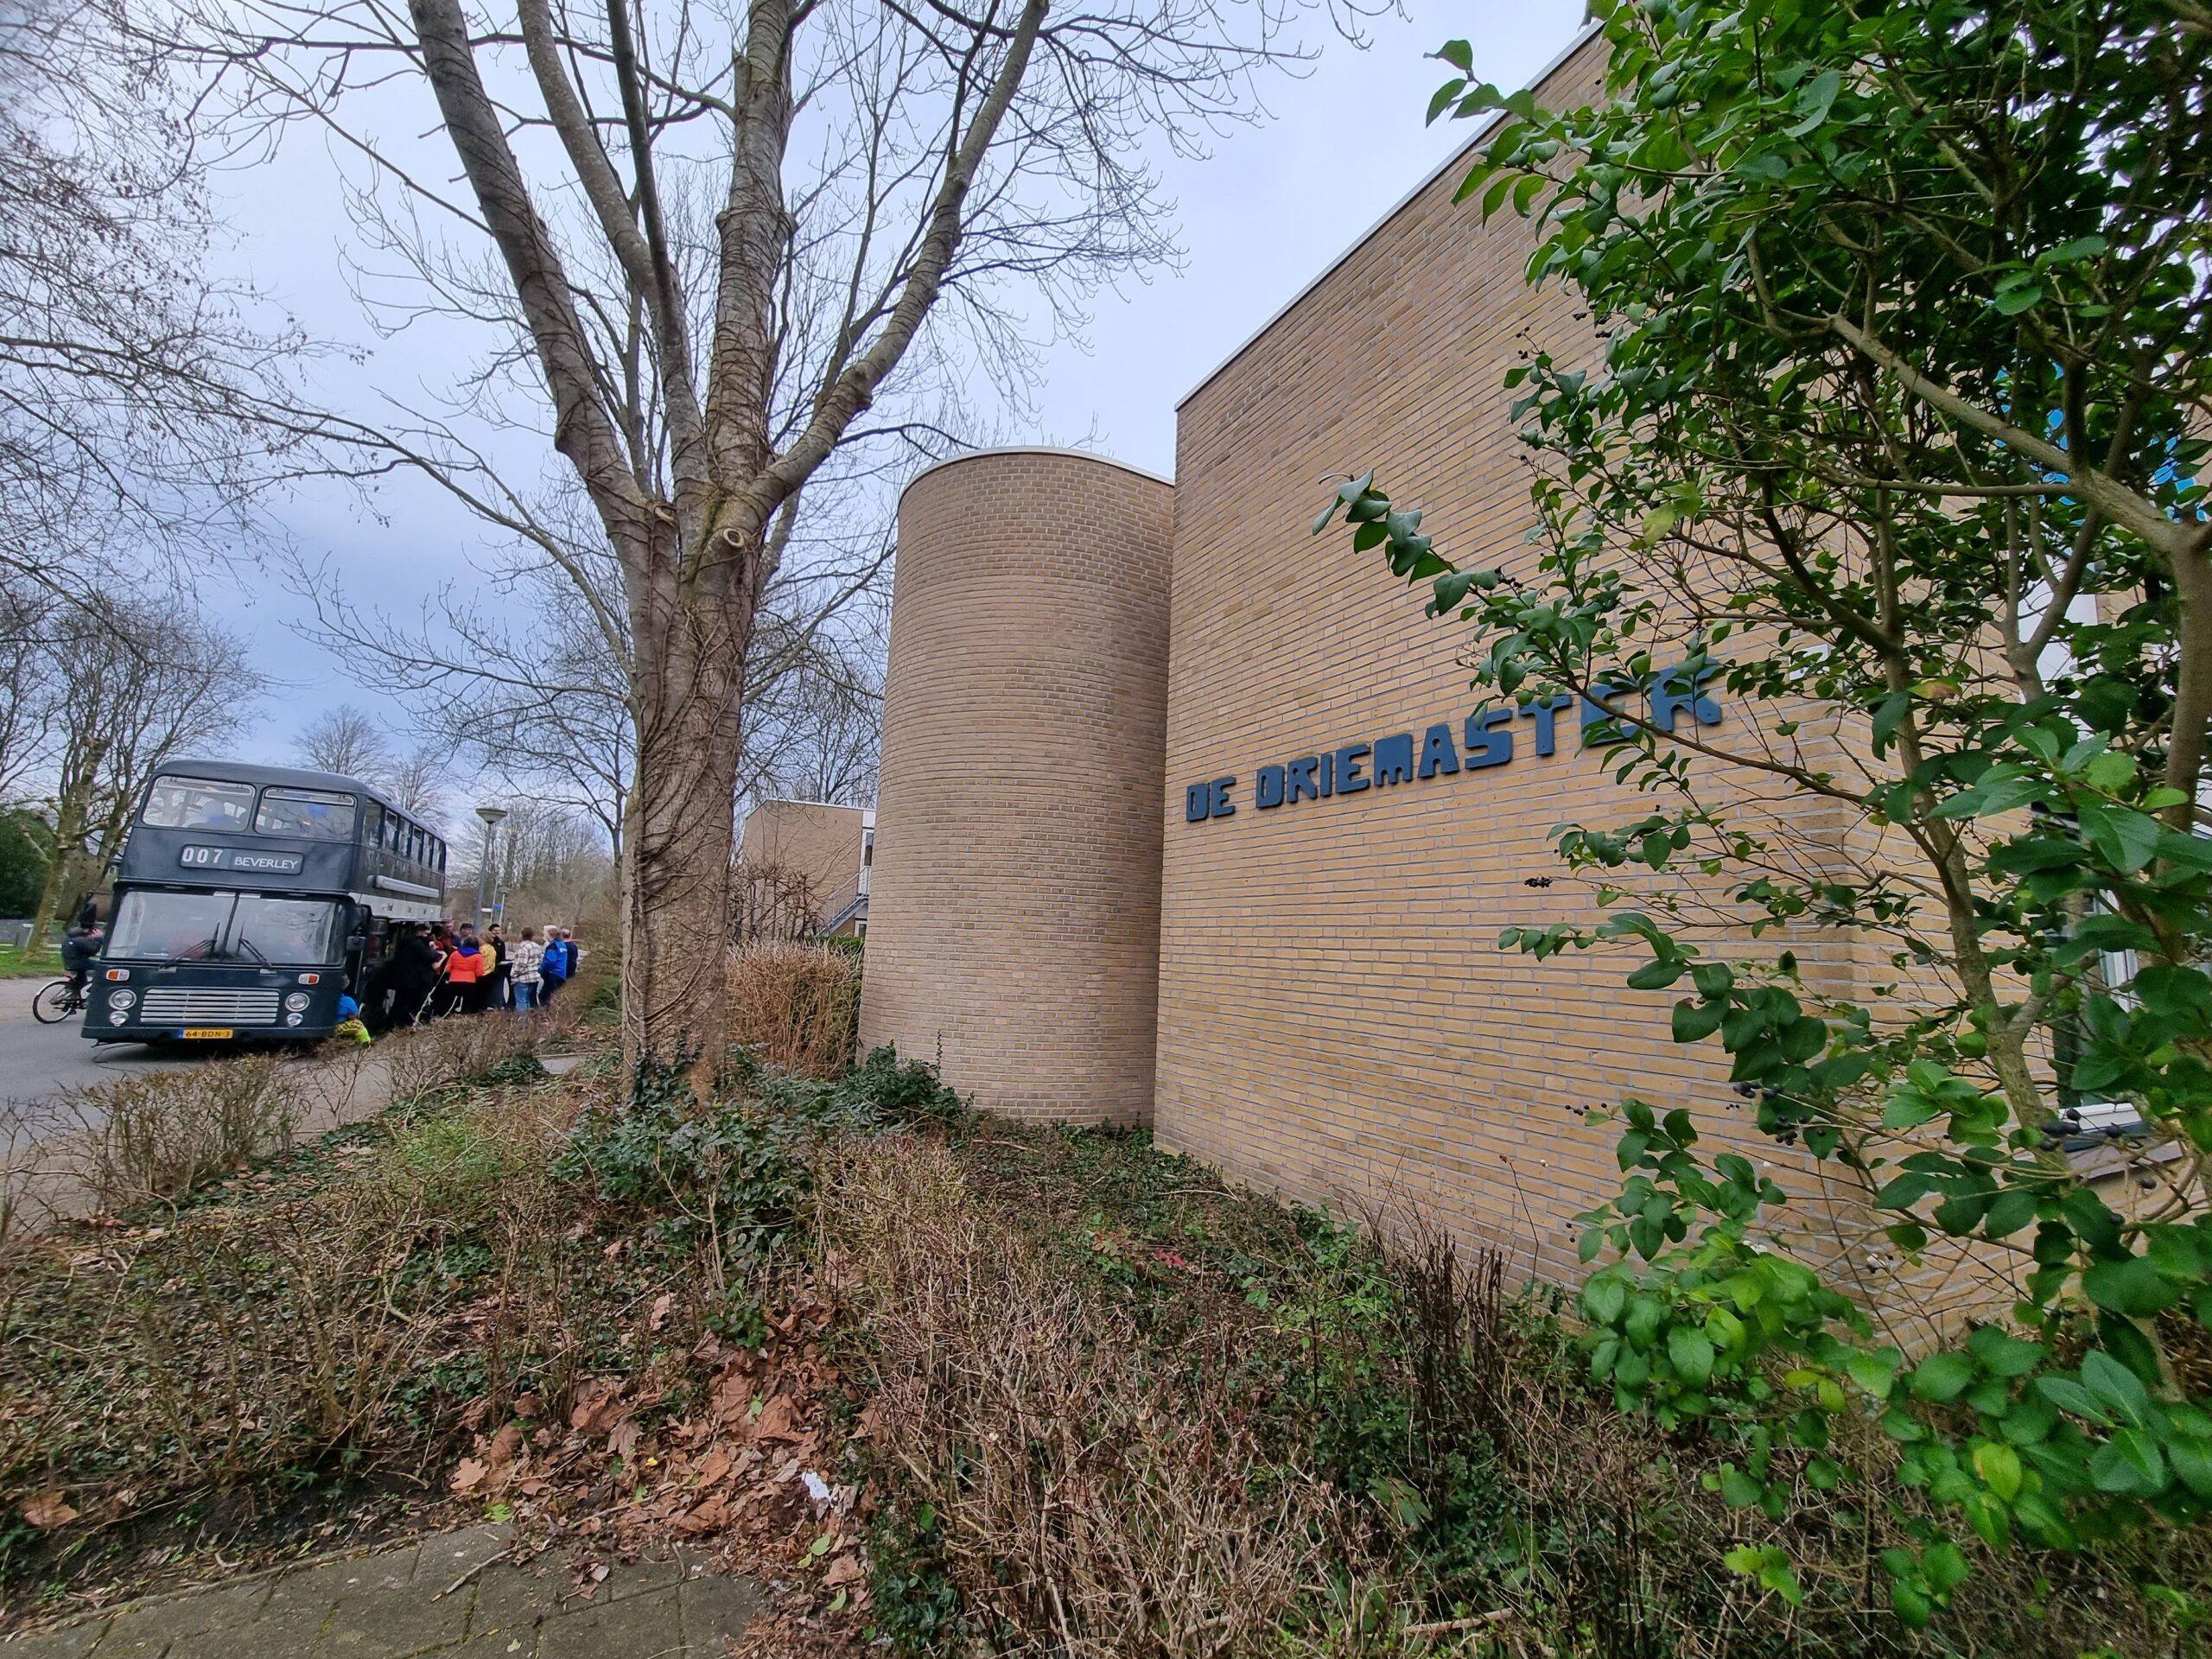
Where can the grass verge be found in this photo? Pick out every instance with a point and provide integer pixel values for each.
(1123, 1410)
(955, 1386)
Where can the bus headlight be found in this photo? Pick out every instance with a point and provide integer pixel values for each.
(298, 1003)
(293, 1018)
(116, 1016)
(121, 998)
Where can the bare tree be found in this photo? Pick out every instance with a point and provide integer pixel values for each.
(141, 401)
(144, 684)
(31, 693)
(522, 685)
(813, 732)
(549, 858)
(346, 740)
(419, 780)
(731, 249)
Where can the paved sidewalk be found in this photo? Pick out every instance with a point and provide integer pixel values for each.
(450, 1593)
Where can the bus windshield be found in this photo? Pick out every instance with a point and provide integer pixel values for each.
(157, 926)
(225, 927)
(310, 812)
(285, 932)
(198, 804)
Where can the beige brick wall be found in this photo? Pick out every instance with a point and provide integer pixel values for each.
(1336, 1019)
(818, 841)
(1013, 918)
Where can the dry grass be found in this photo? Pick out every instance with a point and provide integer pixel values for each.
(1153, 1415)
(348, 1313)
(795, 1006)
(461, 1049)
(1088, 1504)
(161, 1135)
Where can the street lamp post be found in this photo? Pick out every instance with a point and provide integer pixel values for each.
(491, 815)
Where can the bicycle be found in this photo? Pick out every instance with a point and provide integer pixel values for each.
(57, 1000)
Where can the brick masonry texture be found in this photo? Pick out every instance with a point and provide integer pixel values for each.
(819, 840)
(1337, 1020)
(1014, 918)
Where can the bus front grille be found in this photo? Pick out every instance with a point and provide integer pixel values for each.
(207, 1005)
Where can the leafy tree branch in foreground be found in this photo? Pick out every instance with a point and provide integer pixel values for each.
(1896, 435)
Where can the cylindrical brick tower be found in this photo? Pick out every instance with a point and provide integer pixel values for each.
(1014, 916)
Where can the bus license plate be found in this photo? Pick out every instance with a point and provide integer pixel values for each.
(216, 1031)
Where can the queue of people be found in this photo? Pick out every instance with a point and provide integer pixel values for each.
(444, 969)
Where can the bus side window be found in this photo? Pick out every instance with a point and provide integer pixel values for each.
(372, 827)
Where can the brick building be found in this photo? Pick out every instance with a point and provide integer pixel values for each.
(1167, 834)
(805, 866)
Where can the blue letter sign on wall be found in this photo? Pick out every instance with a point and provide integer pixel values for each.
(1485, 741)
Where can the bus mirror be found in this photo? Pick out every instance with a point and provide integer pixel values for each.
(356, 942)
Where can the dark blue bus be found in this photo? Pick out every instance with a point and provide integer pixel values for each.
(248, 897)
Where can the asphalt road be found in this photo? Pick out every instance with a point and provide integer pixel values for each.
(37, 1061)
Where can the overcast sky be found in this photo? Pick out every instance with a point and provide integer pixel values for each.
(1258, 218)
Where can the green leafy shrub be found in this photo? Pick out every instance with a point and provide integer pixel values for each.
(909, 1092)
(1891, 425)
(724, 1173)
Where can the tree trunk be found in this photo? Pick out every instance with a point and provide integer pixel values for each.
(72, 810)
(690, 640)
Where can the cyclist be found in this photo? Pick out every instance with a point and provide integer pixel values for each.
(80, 949)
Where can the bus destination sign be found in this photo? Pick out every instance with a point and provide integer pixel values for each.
(232, 858)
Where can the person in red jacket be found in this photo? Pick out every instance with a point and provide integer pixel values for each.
(464, 971)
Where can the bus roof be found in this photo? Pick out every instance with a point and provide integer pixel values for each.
(245, 771)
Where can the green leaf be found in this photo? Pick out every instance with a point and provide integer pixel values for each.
(1461, 56)
(2192, 1461)
(1945, 1565)
(2003, 1356)
(2070, 1397)
(1691, 1354)
(1908, 1108)
(1942, 1377)
(1871, 1371)
(1602, 1298)
(2009, 1212)
(2131, 1287)
(2130, 1464)
(2116, 1388)
(1657, 974)
(2124, 838)
(2081, 247)
(1451, 589)
(1695, 1021)
(1914, 1608)
(1814, 102)
(1999, 1467)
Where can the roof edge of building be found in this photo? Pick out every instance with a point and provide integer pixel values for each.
(1030, 449)
(794, 800)
(1456, 158)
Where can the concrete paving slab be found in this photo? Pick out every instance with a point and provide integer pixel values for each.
(715, 1610)
(643, 1627)
(396, 1623)
(441, 1596)
(72, 1642)
(289, 1629)
(152, 1626)
(514, 1598)
(446, 1595)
